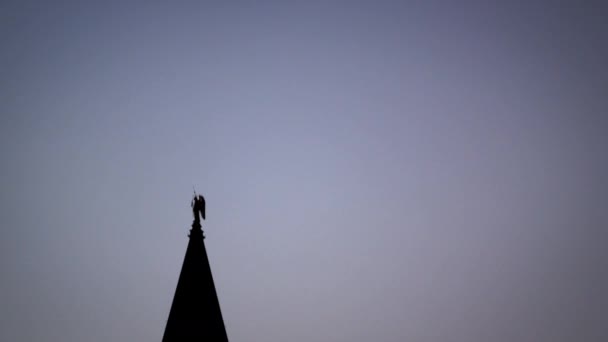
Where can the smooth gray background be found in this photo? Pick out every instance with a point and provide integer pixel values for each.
(405, 171)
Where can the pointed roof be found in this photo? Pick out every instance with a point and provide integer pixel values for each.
(195, 313)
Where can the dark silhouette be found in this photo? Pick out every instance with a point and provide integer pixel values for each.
(198, 206)
(195, 313)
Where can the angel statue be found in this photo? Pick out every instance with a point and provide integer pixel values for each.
(198, 206)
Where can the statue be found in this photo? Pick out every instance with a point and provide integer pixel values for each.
(198, 206)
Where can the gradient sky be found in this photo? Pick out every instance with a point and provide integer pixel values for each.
(388, 172)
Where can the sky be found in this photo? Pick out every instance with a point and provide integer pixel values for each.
(373, 171)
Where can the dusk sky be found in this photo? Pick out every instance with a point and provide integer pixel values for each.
(374, 171)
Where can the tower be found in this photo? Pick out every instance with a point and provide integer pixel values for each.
(195, 313)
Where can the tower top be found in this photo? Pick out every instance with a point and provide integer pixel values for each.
(195, 313)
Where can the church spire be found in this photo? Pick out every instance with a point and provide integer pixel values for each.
(195, 313)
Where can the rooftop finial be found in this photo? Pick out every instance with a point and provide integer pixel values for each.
(198, 207)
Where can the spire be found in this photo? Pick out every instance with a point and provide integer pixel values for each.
(195, 313)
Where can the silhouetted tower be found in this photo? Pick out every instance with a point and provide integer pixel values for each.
(195, 313)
